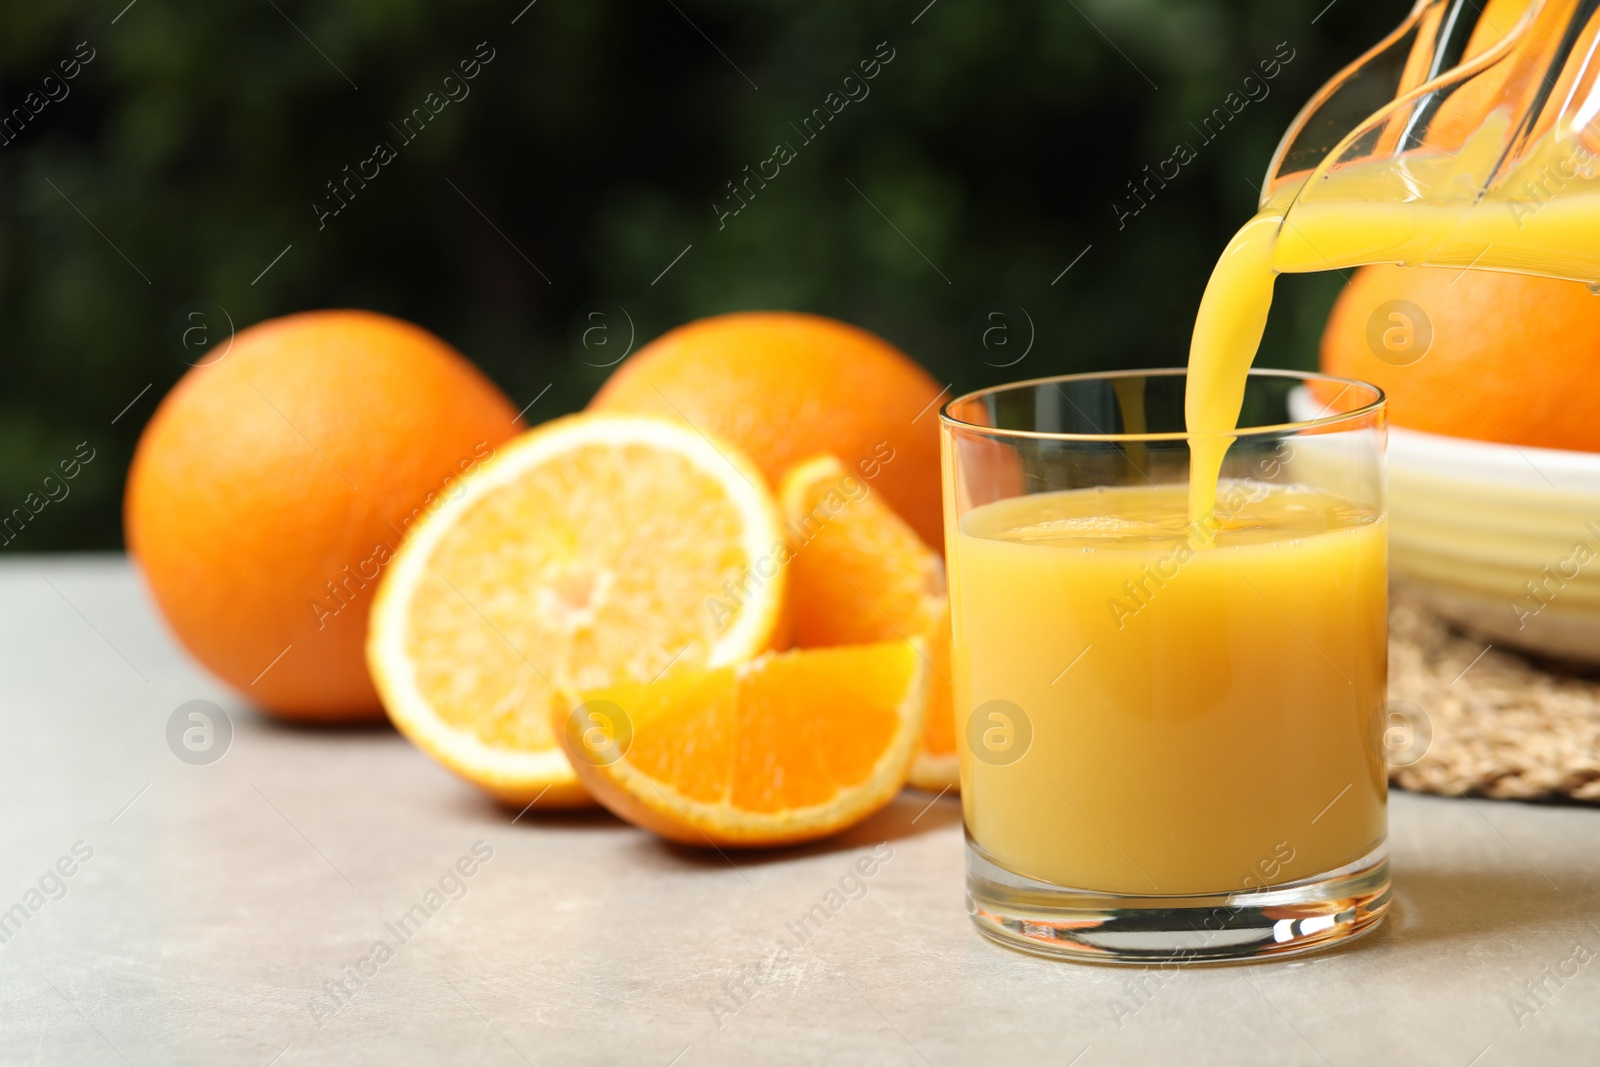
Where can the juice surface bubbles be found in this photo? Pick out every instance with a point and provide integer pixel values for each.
(1195, 720)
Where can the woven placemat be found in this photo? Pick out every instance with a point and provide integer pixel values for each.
(1489, 723)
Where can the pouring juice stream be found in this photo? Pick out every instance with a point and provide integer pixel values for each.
(1365, 214)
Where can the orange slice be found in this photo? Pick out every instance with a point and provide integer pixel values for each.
(593, 550)
(786, 748)
(860, 574)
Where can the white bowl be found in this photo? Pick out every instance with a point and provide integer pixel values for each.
(1502, 539)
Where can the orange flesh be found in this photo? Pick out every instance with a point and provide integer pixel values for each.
(860, 573)
(502, 618)
(939, 733)
(783, 732)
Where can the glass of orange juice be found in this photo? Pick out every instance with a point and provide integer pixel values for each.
(1170, 724)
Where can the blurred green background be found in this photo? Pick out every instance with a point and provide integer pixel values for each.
(142, 204)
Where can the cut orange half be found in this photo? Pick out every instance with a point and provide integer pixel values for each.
(859, 574)
(789, 747)
(593, 550)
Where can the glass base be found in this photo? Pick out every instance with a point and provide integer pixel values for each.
(1284, 920)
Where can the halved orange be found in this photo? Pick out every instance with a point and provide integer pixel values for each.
(593, 550)
(788, 747)
(860, 574)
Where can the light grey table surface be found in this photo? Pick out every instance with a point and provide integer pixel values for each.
(222, 904)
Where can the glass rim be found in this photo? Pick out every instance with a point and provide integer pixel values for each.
(1276, 429)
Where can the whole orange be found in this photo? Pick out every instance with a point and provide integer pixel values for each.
(1495, 357)
(273, 485)
(784, 387)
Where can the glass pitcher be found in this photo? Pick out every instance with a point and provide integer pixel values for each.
(1469, 137)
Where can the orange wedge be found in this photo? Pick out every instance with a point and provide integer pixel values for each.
(593, 550)
(936, 767)
(860, 574)
(789, 747)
